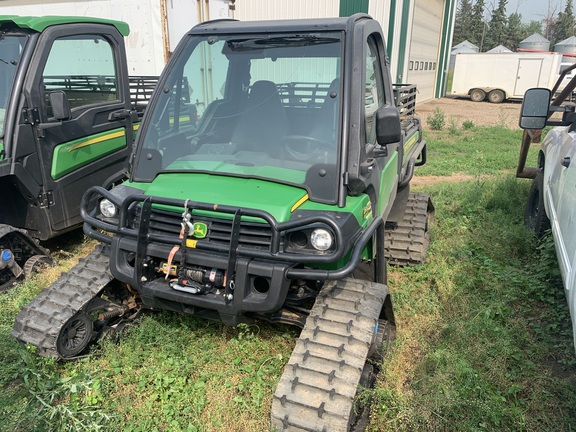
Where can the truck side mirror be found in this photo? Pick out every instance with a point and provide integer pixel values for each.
(388, 128)
(60, 105)
(535, 105)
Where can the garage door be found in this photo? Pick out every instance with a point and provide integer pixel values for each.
(424, 47)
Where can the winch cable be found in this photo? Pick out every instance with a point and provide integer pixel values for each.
(186, 216)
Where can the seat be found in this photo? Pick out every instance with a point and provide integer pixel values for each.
(326, 125)
(263, 122)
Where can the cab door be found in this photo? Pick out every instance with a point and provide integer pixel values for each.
(91, 147)
(563, 196)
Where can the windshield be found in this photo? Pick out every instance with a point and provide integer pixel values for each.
(250, 106)
(10, 49)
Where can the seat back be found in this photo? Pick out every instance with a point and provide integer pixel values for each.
(263, 121)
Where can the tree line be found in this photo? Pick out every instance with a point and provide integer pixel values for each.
(488, 29)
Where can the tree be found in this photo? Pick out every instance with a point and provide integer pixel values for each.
(531, 28)
(462, 22)
(564, 26)
(514, 33)
(478, 24)
(549, 22)
(497, 29)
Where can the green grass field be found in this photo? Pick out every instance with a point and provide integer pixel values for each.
(483, 333)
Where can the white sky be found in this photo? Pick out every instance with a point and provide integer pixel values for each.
(532, 10)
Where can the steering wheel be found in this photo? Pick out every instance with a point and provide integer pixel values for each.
(303, 147)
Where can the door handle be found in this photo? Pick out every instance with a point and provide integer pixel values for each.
(566, 162)
(119, 115)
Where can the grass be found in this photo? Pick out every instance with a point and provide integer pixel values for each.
(484, 338)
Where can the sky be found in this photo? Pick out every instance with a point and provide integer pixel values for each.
(533, 10)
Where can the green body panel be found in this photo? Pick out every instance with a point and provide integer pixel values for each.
(74, 154)
(275, 198)
(359, 206)
(40, 24)
(387, 182)
(279, 200)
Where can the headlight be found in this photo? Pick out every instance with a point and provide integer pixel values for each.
(108, 209)
(321, 239)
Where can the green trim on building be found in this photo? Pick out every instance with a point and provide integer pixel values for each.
(40, 24)
(447, 27)
(391, 20)
(350, 7)
(403, 48)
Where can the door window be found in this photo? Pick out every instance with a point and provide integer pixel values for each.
(374, 88)
(82, 66)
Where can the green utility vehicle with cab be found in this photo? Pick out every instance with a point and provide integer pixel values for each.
(282, 203)
(67, 113)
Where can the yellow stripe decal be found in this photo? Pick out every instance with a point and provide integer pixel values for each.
(97, 140)
(411, 142)
(299, 203)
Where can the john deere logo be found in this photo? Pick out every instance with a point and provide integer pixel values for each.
(200, 230)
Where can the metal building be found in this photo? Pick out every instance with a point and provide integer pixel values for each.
(418, 32)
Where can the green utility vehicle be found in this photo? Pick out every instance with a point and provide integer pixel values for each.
(67, 112)
(278, 204)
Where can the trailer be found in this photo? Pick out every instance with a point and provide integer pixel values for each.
(501, 76)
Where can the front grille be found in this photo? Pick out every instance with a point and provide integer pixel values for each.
(252, 235)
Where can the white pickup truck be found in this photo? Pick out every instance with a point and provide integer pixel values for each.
(552, 198)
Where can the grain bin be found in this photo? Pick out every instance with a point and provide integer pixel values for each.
(567, 46)
(536, 42)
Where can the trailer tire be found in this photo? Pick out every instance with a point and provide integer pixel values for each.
(535, 218)
(477, 95)
(496, 96)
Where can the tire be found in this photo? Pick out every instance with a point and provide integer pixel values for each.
(535, 218)
(496, 96)
(75, 335)
(477, 95)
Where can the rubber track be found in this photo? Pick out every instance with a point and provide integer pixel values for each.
(39, 323)
(408, 243)
(319, 383)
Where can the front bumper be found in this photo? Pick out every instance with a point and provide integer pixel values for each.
(257, 278)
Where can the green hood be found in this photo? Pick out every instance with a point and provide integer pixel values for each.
(277, 199)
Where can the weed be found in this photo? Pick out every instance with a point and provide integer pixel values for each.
(453, 126)
(502, 118)
(467, 124)
(437, 120)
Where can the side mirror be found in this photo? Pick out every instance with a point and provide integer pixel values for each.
(534, 113)
(388, 129)
(60, 105)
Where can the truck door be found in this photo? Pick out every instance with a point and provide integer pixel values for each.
(563, 179)
(86, 62)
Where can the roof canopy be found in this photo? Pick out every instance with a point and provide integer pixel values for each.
(39, 24)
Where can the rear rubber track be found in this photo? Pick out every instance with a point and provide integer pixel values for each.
(317, 389)
(39, 323)
(408, 243)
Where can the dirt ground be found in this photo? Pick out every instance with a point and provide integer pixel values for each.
(481, 113)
